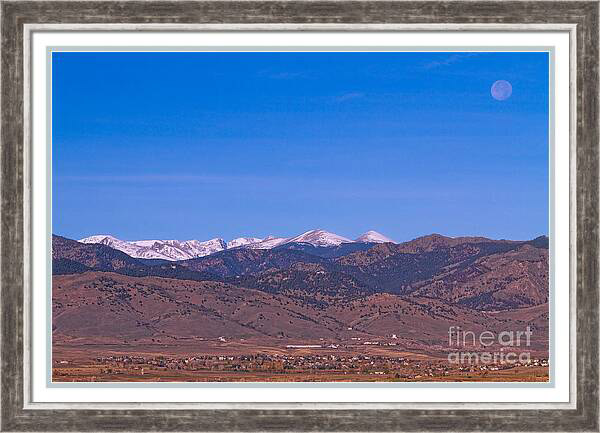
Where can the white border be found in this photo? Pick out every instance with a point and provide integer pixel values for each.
(39, 173)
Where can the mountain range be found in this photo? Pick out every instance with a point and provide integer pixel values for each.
(482, 273)
(310, 287)
(174, 250)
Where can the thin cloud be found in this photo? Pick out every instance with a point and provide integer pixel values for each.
(144, 178)
(349, 96)
(454, 58)
(282, 75)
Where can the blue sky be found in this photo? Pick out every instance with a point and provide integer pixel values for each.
(204, 145)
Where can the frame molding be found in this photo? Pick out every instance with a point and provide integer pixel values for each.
(30, 29)
(19, 17)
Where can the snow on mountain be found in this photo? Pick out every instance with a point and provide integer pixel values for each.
(160, 249)
(240, 242)
(373, 236)
(204, 248)
(183, 250)
(320, 238)
(127, 247)
(268, 243)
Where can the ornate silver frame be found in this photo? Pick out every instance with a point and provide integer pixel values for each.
(20, 18)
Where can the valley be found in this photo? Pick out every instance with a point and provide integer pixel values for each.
(319, 309)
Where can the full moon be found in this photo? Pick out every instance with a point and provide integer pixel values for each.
(501, 90)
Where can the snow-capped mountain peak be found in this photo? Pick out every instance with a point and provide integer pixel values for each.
(160, 249)
(373, 236)
(127, 247)
(267, 243)
(183, 250)
(320, 238)
(100, 239)
(240, 242)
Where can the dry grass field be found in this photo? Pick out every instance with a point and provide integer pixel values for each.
(236, 363)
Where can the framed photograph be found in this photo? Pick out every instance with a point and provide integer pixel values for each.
(299, 216)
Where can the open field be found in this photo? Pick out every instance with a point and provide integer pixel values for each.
(236, 363)
(95, 373)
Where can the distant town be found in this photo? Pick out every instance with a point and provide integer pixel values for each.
(290, 368)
